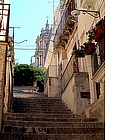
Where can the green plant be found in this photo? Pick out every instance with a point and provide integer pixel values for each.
(10, 48)
(25, 74)
(80, 51)
(91, 33)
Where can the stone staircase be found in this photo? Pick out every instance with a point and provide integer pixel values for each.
(37, 117)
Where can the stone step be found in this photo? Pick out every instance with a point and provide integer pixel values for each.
(28, 136)
(42, 109)
(53, 130)
(64, 118)
(40, 101)
(37, 100)
(35, 115)
(38, 104)
(54, 124)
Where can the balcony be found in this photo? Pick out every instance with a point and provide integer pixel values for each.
(4, 21)
(66, 26)
(75, 65)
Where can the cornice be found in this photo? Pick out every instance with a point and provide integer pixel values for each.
(100, 74)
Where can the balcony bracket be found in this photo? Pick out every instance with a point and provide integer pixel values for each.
(76, 12)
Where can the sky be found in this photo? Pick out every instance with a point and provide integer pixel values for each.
(30, 16)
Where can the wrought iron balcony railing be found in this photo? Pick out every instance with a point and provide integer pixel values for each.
(4, 22)
(66, 14)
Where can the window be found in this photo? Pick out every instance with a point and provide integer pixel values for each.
(49, 82)
(98, 90)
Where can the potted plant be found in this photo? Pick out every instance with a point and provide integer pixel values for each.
(99, 31)
(80, 52)
(10, 49)
(99, 34)
(91, 33)
(89, 47)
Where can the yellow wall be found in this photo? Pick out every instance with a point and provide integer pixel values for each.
(68, 96)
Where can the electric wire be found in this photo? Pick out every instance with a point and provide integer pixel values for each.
(28, 49)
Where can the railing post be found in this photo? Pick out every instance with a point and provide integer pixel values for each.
(75, 64)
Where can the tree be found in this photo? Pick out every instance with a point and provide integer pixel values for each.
(25, 75)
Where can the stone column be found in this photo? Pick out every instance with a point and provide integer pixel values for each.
(102, 84)
(92, 83)
(8, 87)
(2, 79)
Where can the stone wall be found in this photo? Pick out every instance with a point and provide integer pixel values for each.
(8, 87)
(68, 96)
(52, 87)
(76, 95)
(96, 110)
(82, 92)
(2, 76)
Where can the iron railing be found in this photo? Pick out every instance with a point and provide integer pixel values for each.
(75, 65)
(4, 21)
(67, 12)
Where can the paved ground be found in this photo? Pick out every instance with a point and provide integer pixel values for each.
(27, 95)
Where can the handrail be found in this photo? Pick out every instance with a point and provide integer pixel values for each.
(68, 72)
(73, 66)
(76, 69)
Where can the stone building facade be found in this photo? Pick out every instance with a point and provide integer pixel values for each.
(80, 80)
(41, 43)
(4, 29)
(2, 78)
(51, 87)
(6, 79)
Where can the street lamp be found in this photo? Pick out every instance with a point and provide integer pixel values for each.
(4, 21)
(14, 34)
(21, 41)
(76, 12)
(31, 59)
(13, 38)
